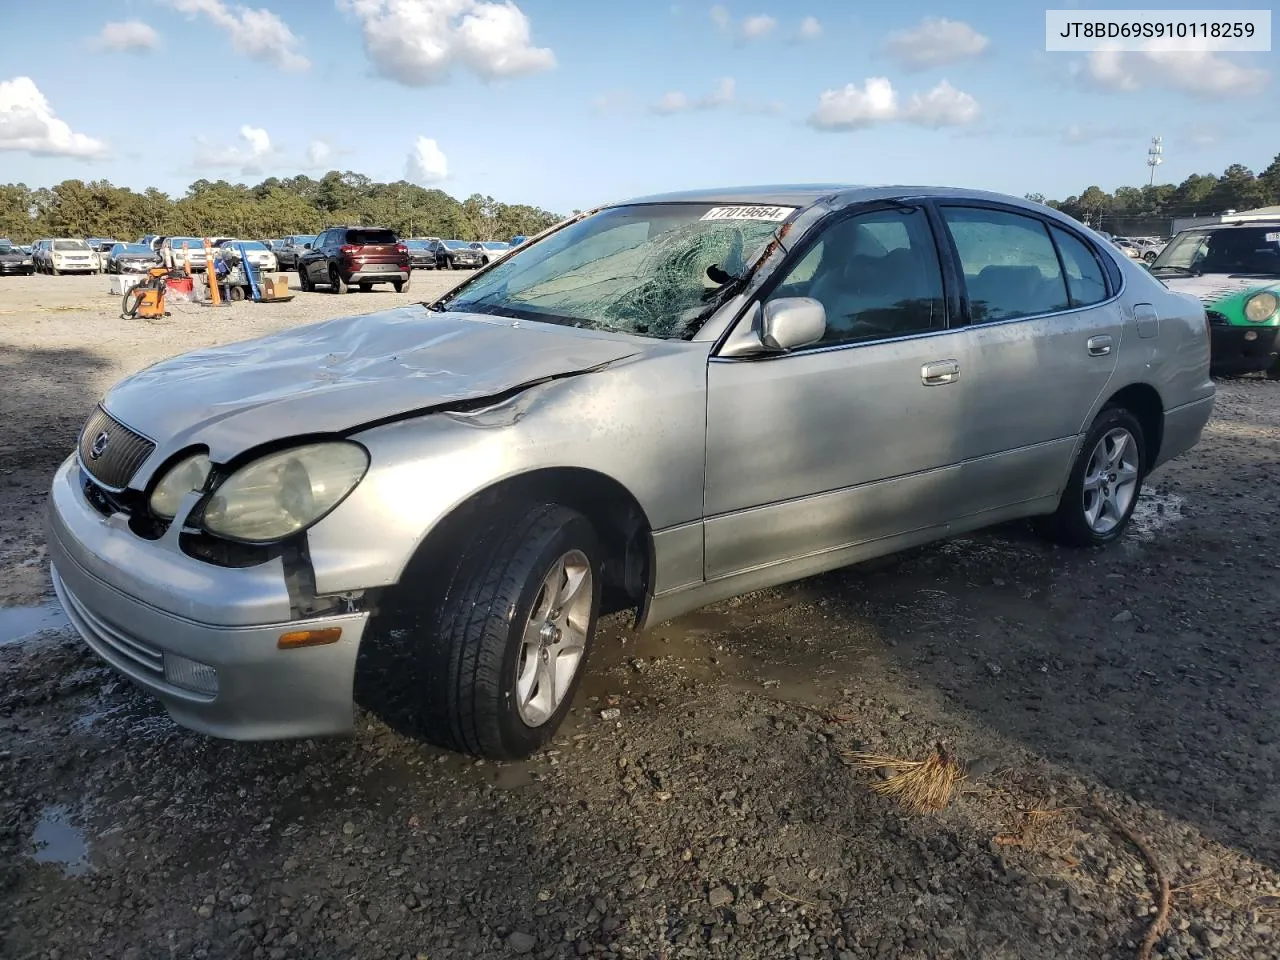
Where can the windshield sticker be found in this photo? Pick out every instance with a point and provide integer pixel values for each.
(1270, 238)
(774, 214)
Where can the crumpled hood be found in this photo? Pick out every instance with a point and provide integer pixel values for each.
(1212, 287)
(333, 376)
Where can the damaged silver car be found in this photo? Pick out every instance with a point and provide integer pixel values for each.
(652, 406)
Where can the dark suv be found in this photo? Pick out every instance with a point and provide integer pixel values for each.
(346, 257)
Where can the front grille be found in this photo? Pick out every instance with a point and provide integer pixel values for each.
(110, 452)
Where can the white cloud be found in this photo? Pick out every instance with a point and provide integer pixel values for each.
(853, 107)
(417, 42)
(1202, 73)
(757, 26)
(943, 106)
(754, 27)
(318, 154)
(935, 41)
(27, 122)
(127, 35)
(257, 34)
(675, 101)
(427, 163)
(810, 29)
(247, 155)
(611, 101)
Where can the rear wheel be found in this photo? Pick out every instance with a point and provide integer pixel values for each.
(336, 282)
(1104, 485)
(235, 293)
(401, 286)
(512, 634)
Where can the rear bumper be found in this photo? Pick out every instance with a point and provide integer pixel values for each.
(213, 659)
(1240, 349)
(378, 276)
(1182, 428)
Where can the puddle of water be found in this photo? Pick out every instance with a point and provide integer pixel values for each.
(20, 623)
(1153, 513)
(57, 840)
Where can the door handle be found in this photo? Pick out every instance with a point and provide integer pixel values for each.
(1099, 346)
(938, 372)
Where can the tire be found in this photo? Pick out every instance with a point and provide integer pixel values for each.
(1273, 371)
(304, 280)
(1150, 256)
(336, 282)
(54, 271)
(1081, 520)
(448, 264)
(235, 293)
(472, 664)
(366, 288)
(401, 286)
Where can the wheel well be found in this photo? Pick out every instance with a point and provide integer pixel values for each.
(1143, 402)
(616, 515)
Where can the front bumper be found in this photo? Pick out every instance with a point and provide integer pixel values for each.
(75, 267)
(10, 266)
(1235, 352)
(202, 638)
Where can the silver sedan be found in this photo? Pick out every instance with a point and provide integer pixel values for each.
(654, 405)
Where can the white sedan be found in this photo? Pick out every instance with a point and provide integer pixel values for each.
(259, 254)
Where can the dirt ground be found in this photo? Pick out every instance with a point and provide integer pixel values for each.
(1097, 698)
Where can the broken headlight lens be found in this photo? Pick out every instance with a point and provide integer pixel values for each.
(283, 493)
(185, 476)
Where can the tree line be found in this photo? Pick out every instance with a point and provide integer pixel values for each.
(273, 208)
(1199, 195)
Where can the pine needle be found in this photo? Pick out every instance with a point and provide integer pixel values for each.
(919, 785)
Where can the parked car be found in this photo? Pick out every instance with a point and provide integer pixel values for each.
(40, 255)
(181, 250)
(132, 258)
(456, 255)
(1234, 270)
(14, 260)
(151, 239)
(490, 249)
(101, 247)
(518, 239)
(422, 255)
(345, 257)
(260, 256)
(290, 248)
(663, 404)
(70, 255)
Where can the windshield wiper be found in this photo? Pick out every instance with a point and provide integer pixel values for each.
(1185, 270)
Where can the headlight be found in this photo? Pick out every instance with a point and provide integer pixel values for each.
(184, 477)
(1261, 307)
(284, 492)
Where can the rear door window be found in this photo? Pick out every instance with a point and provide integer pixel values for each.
(1010, 265)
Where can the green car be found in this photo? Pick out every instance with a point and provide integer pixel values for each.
(1234, 270)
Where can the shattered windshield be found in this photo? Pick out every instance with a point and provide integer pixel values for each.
(652, 269)
(1235, 250)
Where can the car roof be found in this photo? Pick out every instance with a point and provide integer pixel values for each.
(805, 194)
(1239, 225)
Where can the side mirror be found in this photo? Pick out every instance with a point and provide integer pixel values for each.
(792, 322)
(306, 246)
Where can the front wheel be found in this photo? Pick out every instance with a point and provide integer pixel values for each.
(336, 282)
(1106, 479)
(1273, 371)
(304, 279)
(512, 634)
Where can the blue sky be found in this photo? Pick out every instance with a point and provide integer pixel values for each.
(567, 103)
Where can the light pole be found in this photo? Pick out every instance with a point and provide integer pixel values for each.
(1155, 157)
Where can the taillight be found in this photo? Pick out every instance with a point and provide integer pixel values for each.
(401, 248)
(347, 250)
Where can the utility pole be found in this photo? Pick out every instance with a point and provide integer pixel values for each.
(1155, 157)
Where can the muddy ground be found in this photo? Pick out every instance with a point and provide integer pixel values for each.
(1134, 689)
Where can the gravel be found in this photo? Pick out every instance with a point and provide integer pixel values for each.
(714, 816)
